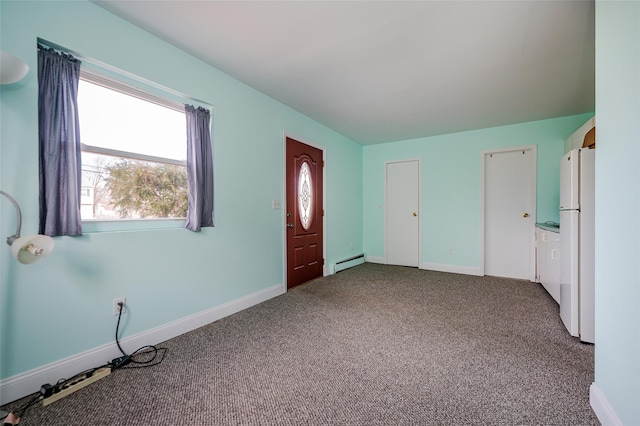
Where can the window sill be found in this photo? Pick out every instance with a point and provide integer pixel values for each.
(97, 226)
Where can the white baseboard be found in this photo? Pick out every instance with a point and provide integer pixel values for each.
(604, 411)
(375, 259)
(456, 269)
(23, 384)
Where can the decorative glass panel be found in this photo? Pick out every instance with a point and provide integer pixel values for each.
(305, 195)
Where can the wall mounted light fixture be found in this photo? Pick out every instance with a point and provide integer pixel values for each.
(31, 248)
(12, 69)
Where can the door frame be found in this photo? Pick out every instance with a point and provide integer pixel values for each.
(532, 231)
(406, 160)
(283, 213)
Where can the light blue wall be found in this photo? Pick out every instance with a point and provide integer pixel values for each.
(451, 184)
(62, 305)
(617, 355)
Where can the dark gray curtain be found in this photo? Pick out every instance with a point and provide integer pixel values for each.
(60, 162)
(199, 169)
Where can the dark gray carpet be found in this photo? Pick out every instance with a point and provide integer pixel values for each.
(372, 345)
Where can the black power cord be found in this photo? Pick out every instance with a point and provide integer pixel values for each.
(12, 419)
(146, 356)
(47, 390)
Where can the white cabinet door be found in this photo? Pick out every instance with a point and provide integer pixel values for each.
(553, 265)
(548, 261)
(541, 255)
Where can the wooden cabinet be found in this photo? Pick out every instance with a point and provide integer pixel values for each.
(548, 261)
(577, 138)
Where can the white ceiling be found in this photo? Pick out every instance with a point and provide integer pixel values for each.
(380, 71)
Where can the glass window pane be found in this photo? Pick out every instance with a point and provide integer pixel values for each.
(115, 188)
(305, 195)
(110, 119)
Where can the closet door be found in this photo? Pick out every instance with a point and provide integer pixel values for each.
(510, 214)
(402, 242)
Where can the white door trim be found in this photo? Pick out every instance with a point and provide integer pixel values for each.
(419, 160)
(283, 204)
(534, 151)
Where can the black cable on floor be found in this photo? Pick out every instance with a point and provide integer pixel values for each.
(127, 360)
(157, 356)
(32, 401)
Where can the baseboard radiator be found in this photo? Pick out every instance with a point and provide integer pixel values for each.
(349, 263)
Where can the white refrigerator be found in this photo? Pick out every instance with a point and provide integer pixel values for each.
(577, 243)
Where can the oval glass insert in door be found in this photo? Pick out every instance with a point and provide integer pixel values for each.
(305, 195)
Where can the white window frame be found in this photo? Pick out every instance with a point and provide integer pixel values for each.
(106, 225)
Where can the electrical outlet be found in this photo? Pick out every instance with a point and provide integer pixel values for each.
(116, 307)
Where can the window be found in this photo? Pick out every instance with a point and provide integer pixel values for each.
(133, 152)
(305, 196)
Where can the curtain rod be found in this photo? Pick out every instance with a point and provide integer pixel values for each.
(123, 73)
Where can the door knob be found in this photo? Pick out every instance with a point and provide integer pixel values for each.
(415, 214)
(525, 214)
(289, 225)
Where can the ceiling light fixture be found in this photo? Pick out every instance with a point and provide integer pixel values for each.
(31, 248)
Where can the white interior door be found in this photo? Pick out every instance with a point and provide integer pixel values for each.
(402, 213)
(509, 213)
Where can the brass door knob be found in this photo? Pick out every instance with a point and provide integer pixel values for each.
(415, 214)
(525, 214)
(289, 225)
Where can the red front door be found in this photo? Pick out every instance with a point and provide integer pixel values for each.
(304, 213)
